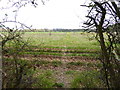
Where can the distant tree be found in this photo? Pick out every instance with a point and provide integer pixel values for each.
(105, 17)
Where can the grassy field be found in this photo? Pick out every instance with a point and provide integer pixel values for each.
(58, 59)
(62, 43)
(70, 40)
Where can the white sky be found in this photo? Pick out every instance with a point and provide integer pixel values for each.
(54, 14)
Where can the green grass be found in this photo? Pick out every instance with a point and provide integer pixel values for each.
(88, 64)
(45, 80)
(77, 63)
(83, 54)
(94, 55)
(60, 49)
(40, 62)
(87, 79)
(62, 40)
(59, 85)
(56, 63)
(60, 44)
(70, 72)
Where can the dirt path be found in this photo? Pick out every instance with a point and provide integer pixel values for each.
(61, 77)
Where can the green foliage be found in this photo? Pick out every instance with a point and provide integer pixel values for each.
(70, 72)
(87, 79)
(77, 63)
(35, 53)
(44, 80)
(99, 65)
(88, 64)
(84, 54)
(58, 85)
(19, 72)
(40, 62)
(17, 77)
(56, 63)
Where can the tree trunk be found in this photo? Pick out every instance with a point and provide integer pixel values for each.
(105, 57)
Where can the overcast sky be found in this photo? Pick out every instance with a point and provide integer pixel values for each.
(54, 14)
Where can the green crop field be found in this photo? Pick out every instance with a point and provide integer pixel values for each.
(58, 43)
(58, 59)
(68, 40)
